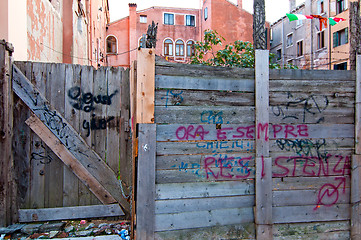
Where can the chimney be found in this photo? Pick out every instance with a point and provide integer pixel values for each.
(239, 4)
(292, 5)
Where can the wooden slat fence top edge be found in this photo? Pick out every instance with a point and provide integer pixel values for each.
(73, 65)
(179, 69)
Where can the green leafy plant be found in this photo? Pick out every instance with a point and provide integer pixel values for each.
(238, 54)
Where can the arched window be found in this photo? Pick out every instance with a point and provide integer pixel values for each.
(179, 48)
(168, 47)
(190, 48)
(111, 45)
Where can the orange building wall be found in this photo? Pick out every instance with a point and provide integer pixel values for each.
(120, 30)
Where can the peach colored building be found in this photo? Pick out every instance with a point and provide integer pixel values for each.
(178, 29)
(68, 31)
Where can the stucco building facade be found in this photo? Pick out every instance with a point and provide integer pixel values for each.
(178, 29)
(306, 44)
(61, 31)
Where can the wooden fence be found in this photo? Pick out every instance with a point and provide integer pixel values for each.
(227, 153)
(87, 111)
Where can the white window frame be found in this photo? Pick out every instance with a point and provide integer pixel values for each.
(287, 46)
(303, 52)
(142, 17)
(106, 44)
(175, 48)
(174, 23)
(185, 20)
(173, 45)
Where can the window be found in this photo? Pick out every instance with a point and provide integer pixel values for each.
(299, 48)
(279, 54)
(111, 45)
(190, 20)
(143, 19)
(320, 6)
(340, 66)
(168, 19)
(289, 40)
(341, 5)
(340, 37)
(190, 48)
(179, 48)
(205, 14)
(321, 40)
(299, 22)
(168, 47)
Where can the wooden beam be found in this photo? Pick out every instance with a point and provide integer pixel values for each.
(8, 187)
(145, 225)
(67, 213)
(69, 160)
(145, 85)
(57, 124)
(263, 209)
(356, 162)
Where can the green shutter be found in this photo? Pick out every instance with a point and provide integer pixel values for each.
(335, 39)
(346, 34)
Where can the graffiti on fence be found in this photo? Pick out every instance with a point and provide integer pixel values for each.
(305, 147)
(286, 166)
(218, 166)
(329, 193)
(313, 105)
(227, 146)
(85, 101)
(174, 98)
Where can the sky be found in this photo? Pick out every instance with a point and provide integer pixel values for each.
(275, 9)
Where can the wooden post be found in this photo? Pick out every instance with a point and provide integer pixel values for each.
(263, 210)
(356, 162)
(355, 32)
(145, 85)
(146, 182)
(8, 188)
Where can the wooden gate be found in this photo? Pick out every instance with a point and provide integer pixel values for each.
(87, 113)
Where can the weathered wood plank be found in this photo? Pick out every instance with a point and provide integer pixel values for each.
(113, 131)
(179, 132)
(176, 69)
(308, 197)
(202, 174)
(294, 214)
(207, 189)
(314, 86)
(39, 156)
(310, 230)
(21, 143)
(84, 110)
(303, 183)
(146, 182)
(194, 161)
(145, 85)
(125, 161)
(67, 135)
(236, 231)
(202, 204)
(293, 74)
(67, 213)
(71, 182)
(166, 148)
(199, 219)
(204, 83)
(203, 114)
(172, 97)
(55, 93)
(8, 189)
(337, 235)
